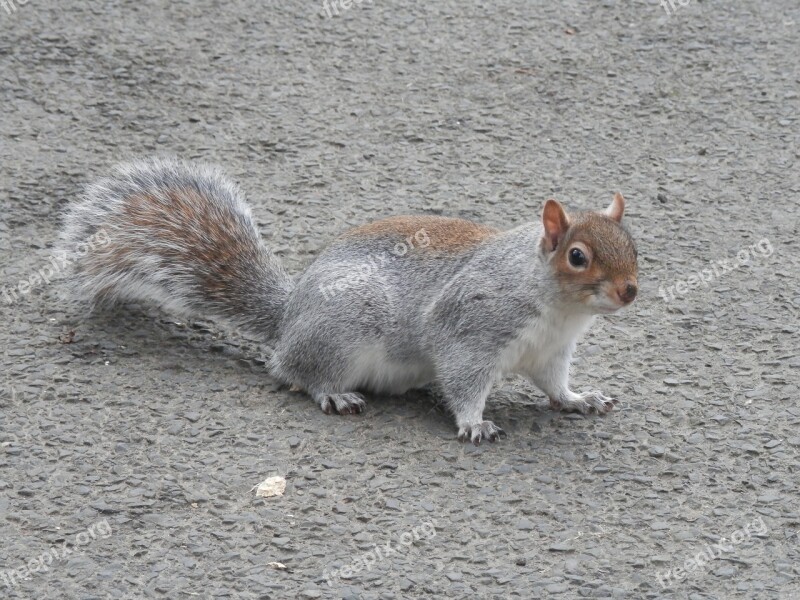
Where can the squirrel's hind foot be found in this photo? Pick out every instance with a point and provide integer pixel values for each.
(586, 403)
(475, 433)
(350, 403)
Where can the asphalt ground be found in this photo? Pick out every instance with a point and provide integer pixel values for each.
(130, 441)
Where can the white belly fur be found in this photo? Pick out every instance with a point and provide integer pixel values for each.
(546, 335)
(371, 369)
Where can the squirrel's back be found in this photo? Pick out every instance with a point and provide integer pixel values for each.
(180, 236)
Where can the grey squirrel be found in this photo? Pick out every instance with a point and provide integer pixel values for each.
(389, 306)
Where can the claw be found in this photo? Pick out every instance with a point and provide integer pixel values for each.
(476, 433)
(586, 403)
(344, 404)
(496, 435)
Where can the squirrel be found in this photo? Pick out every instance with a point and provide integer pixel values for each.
(388, 306)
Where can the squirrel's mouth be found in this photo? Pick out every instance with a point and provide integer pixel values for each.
(608, 299)
(607, 310)
(605, 305)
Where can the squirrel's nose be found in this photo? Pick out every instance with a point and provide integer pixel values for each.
(627, 292)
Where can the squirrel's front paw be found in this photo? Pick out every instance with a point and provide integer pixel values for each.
(587, 402)
(349, 403)
(485, 430)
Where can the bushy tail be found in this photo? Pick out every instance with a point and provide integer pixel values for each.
(177, 235)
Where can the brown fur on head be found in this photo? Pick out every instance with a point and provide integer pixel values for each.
(593, 256)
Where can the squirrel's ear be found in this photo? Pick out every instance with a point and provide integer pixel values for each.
(616, 208)
(555, 223)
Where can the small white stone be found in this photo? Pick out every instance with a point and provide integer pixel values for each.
(271, 486)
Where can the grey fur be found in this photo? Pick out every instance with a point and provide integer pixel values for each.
(460, 319)
(255, 284)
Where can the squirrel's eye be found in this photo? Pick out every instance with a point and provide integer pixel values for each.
(577, 258)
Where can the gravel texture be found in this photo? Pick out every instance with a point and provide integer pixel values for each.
(130, 444)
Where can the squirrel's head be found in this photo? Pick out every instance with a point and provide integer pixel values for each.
(592, 256)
